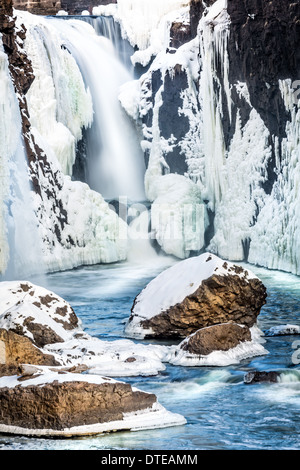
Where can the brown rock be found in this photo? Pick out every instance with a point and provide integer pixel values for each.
(16, 350)
(51, 7)
(219, 299)
(179, 34)
(58, 406)
(216, 338)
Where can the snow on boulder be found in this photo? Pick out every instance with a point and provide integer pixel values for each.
(56, 335)
(36, 313)
(193, 294)
(66, 405)
(218, 345)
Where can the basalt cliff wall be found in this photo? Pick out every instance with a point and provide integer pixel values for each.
(51, 7)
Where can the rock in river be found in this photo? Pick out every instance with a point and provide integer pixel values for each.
(195, 293)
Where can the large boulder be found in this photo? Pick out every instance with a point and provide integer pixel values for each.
(193, 294)
(221, 337)
(68, 405)
(46, 327)
(35, 312)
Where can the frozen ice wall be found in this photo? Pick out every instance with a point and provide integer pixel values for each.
(20, 247)
(208, 147)
(60, 105)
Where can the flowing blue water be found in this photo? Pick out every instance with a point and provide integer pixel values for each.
(221, 411)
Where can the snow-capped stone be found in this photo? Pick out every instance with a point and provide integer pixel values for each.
(36, 313)
(53, 328)
(193, 294)
(52, 404)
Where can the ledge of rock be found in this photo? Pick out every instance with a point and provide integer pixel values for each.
(193, 294)
(16, 350)
(221, 337)
(66, 405)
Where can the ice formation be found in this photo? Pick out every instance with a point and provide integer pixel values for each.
(63, 224)
(59, 104)
(229, 177)
(20, 245)
(140, 19)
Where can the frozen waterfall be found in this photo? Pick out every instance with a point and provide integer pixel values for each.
(20, 252)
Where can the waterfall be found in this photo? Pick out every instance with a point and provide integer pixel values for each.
(109, 28)
(114, 156)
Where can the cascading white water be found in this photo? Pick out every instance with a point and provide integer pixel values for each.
(108, 27)
(116, 165)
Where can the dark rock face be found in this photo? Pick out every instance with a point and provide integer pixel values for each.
(261, 33)
(51, 7)
(57, 406)
(261, 377)
(179, 34)
(197, 8)
(170, 122)
(219, 299)
(216, 338)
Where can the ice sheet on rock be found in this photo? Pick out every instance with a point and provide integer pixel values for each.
(217, 358)
(21, 300)
(281, 330)
(121, 358)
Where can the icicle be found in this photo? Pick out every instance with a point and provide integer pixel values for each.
(213, 30)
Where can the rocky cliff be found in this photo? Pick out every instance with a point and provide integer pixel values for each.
(49, 7)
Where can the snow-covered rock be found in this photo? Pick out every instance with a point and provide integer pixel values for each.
(53, 327)
(66, 405)
(195, 293)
